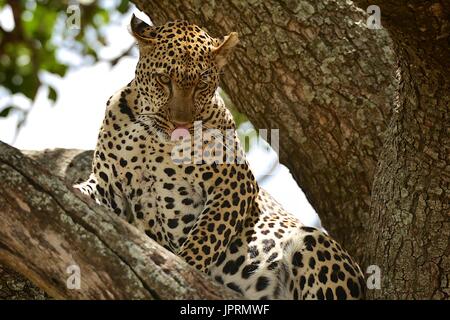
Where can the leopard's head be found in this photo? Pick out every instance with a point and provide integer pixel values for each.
(178, 73)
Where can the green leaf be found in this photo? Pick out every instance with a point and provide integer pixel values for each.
(123, 6)
(5, 112)
(52, 94)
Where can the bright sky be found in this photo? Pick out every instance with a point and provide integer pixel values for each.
(73, 121)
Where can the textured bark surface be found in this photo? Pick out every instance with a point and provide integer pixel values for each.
(14, 286)
(409, 234)
(45, 228)
(314, 71)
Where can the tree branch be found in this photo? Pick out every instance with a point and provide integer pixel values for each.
(45, 228)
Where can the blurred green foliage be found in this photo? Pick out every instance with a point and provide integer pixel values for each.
(43, 27)
(245, 130)
(31, 46)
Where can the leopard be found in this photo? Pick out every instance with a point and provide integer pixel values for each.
(196, 195)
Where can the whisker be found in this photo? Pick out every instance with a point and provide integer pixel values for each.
(147, 114)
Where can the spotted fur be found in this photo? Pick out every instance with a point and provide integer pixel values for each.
(213, 214)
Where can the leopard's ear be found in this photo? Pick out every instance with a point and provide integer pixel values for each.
(142, 31)
(223, 50)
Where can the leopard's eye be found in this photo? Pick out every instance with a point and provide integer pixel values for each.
(164, 79)
(204, 81)
(202, 85)
(205, 78)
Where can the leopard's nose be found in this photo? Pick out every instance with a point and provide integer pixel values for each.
(181, 124)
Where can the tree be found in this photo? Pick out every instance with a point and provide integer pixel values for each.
(73, 249)
(410, 215)
(375, 169)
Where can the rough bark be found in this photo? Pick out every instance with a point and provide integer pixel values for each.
(314, 71)
(14, 286)
(409, 224)
(45, 228)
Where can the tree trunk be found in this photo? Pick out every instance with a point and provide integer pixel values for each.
(47, 234)
(313, 69)
(409, 233)
(315, 72)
